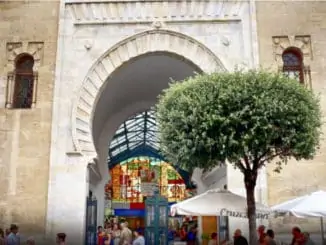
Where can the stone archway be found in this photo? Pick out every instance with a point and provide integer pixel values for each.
(137, 45)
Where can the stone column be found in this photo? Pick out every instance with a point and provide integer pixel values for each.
(68, 189)
(100, 196)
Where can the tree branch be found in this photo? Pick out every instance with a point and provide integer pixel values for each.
(247, 162)
(270, 158)
(285, 151)
(263, 155)
(256, 165)
(240, 166)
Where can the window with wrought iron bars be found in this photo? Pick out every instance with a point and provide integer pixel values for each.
(21, 84)
(293, 66)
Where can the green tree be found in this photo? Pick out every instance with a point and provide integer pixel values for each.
(246, 119)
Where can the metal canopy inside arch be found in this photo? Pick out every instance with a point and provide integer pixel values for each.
(135, 137)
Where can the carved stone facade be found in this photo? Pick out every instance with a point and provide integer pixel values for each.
(302, 43)
(130, 48)
(96, 41)
(281, 43)
(14, 49)
(132, 12)
(48, 150)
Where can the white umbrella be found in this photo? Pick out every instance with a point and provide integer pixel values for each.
(312, 205)
(217, 202)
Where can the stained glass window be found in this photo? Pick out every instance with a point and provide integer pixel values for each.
(24, 82)
(136, 179)
(293, 64)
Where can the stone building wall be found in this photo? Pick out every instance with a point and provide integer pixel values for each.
(301, 23)
(31, 26)
(26, 26)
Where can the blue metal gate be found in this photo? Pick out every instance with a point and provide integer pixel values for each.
(91, 221)
(156, 220)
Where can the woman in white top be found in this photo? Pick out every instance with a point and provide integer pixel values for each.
(139, 239)
(116, 233)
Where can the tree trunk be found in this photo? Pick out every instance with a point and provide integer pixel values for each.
(250, 183)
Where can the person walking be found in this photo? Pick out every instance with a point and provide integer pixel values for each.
(192, 236)
(126, 235)
(13, 238)
(139, 239)
(269, 238)
(116, 233)
(239, 239)
(261, 234)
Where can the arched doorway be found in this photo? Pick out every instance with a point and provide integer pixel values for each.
(137, 168)
(124, 81)
(133, 88)
(172, 46)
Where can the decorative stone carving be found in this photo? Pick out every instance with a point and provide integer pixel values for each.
(157, 24)
(302, 42)
(35, 49)
(13, 50)
(113, 12)
(88, 45)
(225, 41)
(159, 40)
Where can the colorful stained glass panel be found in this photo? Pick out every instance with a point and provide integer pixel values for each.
(136, 179)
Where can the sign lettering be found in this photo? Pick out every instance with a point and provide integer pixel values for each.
(229, 213)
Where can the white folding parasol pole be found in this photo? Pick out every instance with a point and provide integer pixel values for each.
(322, 230)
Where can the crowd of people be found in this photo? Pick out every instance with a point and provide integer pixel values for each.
(266, 237)
(113, 234)
(11, 237)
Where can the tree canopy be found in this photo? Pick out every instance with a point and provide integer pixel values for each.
(245, 118)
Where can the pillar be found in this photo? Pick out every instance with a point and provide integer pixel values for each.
(100, 196)
(68, 189)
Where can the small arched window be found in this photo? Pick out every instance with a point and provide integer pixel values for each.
(24, 82)
(293, 64)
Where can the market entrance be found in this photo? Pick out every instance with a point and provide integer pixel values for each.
(137, 168)
(125, 136)
(121, 85)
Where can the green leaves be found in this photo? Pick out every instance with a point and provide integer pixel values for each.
(208, 119)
